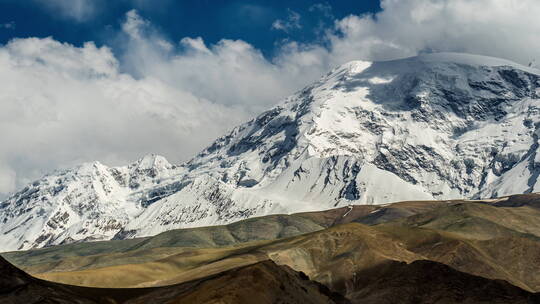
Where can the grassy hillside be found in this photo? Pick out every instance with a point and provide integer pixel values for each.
(265, 281)
(117, 252)
(496, 239)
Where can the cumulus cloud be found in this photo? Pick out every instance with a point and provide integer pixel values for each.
(61, 105)
(78, 10)
(501, 28)
(230, 72)
(134, 24)
(291, 23)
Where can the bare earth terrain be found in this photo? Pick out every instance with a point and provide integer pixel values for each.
(406, 252)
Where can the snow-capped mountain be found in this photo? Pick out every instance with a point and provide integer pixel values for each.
(436, 126)
(89, 202)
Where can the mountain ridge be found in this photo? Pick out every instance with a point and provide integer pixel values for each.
(359, 250)
(435, 126)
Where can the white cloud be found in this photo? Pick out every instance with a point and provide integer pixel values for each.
(134, 24)
(61, 105)
(78, 10)
(291, 23)
(230, 72)
(501, 28)
(8, 179)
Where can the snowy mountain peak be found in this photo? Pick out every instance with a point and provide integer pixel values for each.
(472, 60)
(89, 168)
(151, 167)
(150, 161)
(435, 126)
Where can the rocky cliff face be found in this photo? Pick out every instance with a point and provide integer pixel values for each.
(436, 126)
(89, 202)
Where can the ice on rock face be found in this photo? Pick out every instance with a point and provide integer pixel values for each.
(436, 126)
(88, 202)
(150, 169)
(152, 162)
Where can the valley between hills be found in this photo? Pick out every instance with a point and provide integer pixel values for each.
(457, 251)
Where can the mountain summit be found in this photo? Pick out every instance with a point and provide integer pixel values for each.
(435, 126)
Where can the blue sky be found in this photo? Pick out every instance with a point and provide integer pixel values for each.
(213, 20)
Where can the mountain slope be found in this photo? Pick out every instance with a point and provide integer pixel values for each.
(335, 257)
(89, 202)
(434, 126)
(18, 287)
(265, 280)
(494, 239)
(431, 282)
(81, 256)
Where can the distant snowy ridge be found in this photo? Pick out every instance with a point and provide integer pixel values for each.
(436, 126)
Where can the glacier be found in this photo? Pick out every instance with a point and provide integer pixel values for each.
(435, 126)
